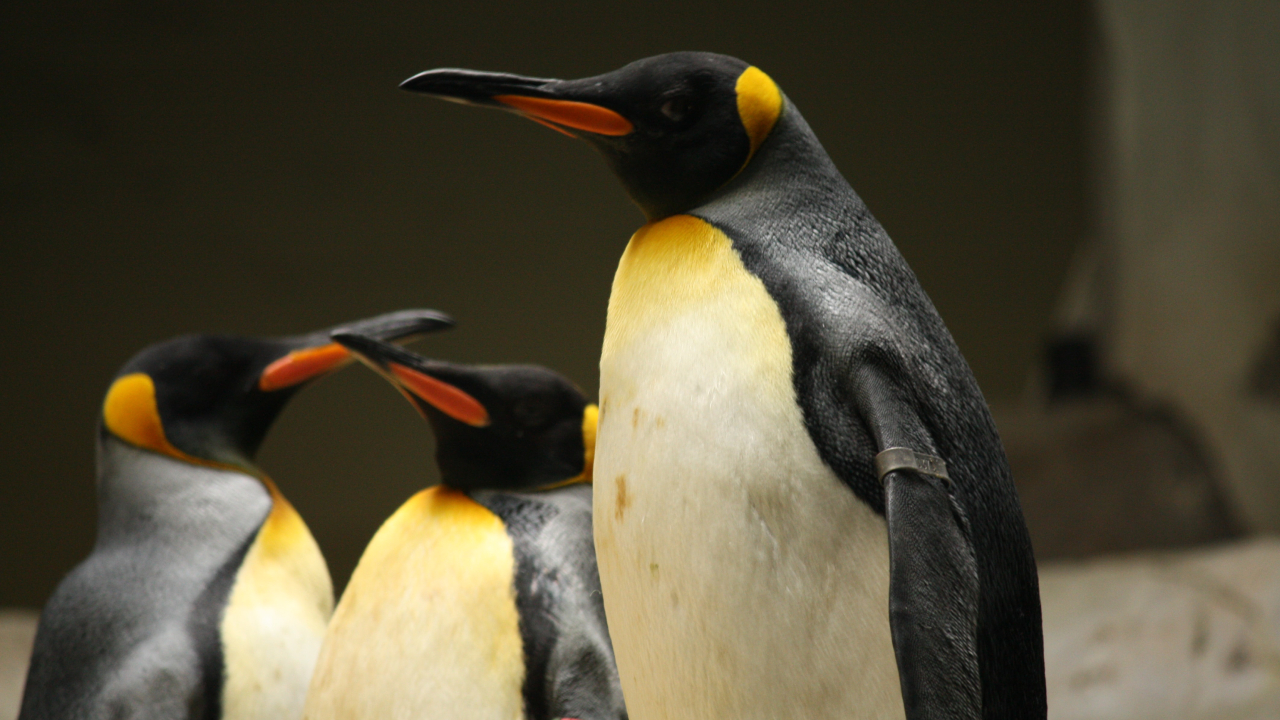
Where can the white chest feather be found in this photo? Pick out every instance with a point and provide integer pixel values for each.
(741, 578)
(275, 620)
(428, 626)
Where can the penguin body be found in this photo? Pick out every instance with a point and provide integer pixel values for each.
(873, 366)
(459, 607)
(800, 486)
(471, 602)
(432, 589)
(205, 595)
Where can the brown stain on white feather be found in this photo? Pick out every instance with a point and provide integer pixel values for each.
(621, 500)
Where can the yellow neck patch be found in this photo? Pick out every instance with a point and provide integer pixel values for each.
(275, 618)
(759, 106)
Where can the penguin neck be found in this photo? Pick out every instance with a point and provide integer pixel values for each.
(792, 198)
(142, 492)
(468, 484)
(790, 159)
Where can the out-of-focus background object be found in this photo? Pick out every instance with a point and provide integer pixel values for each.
(1090, 193)
(1187, 305)
(1155, 418)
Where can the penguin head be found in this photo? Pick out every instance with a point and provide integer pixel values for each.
(673, 127)
(210, 399)
(500, 427)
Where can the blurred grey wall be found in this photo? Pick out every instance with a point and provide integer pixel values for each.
(178, 167)
(1189, 301)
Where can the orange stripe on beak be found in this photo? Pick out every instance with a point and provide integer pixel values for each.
(302, 365)
(444, 397)
(576, 115)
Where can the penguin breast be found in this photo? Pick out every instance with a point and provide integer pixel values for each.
(428, 625)
(275, 619)
(741, 577)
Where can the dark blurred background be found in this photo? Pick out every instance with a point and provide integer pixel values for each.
(179, 167)
(1089, 191)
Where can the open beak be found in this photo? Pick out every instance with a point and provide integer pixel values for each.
(419, 379)
(317, 354)
(560, 105)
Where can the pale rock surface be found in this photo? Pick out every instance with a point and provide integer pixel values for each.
(1177, 636)
(1180, 288)
(17, 633)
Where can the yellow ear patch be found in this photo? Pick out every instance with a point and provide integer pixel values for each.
(759, 105)
(130, 413)
(590, 418)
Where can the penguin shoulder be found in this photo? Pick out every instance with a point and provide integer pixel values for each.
(169, 510)
(563, 628)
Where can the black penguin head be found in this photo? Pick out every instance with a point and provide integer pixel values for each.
(210, 399)
(502, 427)
(673, 127)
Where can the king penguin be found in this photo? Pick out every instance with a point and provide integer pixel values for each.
(479, 599)
(205, 595)
(803, 507)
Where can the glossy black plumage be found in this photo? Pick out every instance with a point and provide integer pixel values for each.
(206, 385)
(687, 139)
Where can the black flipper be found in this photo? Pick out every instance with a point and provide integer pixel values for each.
(933, 576)
(933, 600)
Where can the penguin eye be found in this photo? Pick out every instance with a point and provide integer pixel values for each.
(677, 109)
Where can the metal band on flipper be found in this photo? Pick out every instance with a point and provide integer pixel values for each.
(900, 458)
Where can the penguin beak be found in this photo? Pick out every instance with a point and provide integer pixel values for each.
(300, 366)
(417, 378)
(315, 354)
(555, 103)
